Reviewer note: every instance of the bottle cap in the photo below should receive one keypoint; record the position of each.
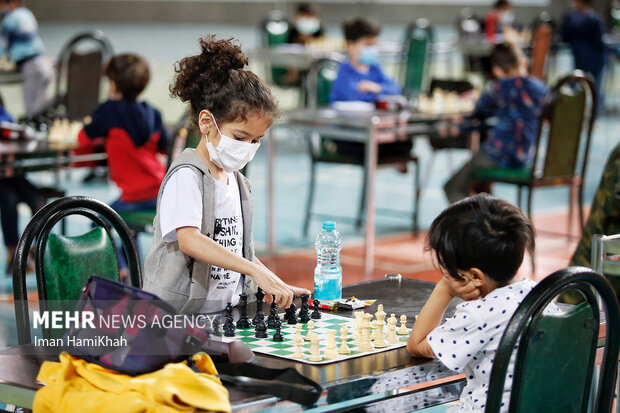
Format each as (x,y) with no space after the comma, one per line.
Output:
(329,225)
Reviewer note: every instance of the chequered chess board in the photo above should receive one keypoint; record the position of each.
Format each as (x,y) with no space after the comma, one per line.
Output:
(285,349)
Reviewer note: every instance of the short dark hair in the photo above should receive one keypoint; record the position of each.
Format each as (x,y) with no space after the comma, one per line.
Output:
(481,232)
(359,27)
(130,73)
(586,2)
(507,56)
(500,4)
(307,8)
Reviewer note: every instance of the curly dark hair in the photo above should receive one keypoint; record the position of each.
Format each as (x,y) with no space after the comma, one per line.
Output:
(483,232)
(215,80)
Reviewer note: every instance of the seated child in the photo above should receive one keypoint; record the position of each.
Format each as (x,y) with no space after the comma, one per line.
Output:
(500,17)
(14,190)
(479,245)
(306,25)
(515,100)
(132,134)
(361,78)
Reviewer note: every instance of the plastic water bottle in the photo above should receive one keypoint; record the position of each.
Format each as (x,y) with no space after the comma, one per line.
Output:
(328,272)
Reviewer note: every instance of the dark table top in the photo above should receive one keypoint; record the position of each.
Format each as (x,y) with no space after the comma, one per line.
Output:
(371,376)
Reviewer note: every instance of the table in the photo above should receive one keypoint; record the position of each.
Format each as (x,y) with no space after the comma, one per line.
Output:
(388,379)
(370,128)
(19,157)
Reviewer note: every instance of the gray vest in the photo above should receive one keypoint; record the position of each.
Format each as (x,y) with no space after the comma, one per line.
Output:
(176,277)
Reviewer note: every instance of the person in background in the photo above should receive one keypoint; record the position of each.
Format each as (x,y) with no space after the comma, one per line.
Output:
(515,101)
(497,19)
(583,30)
(14,190)
(479,244)
(19,38)
(361,78)
(132,134)
(306,24)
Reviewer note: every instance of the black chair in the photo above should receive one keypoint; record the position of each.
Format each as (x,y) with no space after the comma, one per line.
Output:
(275,30)
(78,75)
(554,365)
(318,84)
(64,264)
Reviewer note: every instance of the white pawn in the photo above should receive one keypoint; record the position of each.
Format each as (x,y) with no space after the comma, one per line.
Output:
(373,331)
(310,333)
(391,336)
(298,342)
(357,327)
(332,347)
(315,352)
(297,330)
(402,331)
(393,317)
(344,348)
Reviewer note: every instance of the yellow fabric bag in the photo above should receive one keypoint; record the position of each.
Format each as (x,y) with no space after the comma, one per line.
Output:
(75,385)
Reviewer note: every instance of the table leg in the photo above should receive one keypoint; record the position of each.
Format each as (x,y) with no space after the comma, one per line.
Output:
(371,166)
(271,155)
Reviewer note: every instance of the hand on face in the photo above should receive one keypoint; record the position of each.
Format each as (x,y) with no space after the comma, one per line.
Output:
(464,289)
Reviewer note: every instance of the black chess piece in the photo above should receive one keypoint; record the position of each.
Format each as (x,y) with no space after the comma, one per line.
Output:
(316,314)
(273,314)
(215,327)
(229,326)
(304,313)
(261,329)
(292,317)
(244,321)
(260,294)
(278,334)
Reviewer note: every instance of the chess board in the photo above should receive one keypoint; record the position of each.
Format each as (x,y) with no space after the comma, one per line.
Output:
(285,349)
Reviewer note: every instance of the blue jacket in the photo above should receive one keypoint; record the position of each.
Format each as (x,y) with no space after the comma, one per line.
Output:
(516,104)
(344,87)
(19,36)
(584,33)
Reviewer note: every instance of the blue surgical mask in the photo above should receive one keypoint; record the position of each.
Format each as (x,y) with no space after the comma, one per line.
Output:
(369,55)
(307,26)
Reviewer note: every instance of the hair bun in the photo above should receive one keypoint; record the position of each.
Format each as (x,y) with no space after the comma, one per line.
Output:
(219,57)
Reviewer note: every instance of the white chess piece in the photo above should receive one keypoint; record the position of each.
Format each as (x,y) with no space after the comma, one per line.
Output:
(310,333)
(365,342)
(344,348)
(298,342)
(403,326)
(332,347)
(373,329)
(393,317)
(298,330)
(391,336)
(357,327)
(379,324)
(315,352)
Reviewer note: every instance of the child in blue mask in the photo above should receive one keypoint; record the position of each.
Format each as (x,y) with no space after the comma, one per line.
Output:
(361,77)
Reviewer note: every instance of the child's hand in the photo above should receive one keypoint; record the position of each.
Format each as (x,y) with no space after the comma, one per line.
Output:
(368,86)
(298,290)
(464,289)
(272,285)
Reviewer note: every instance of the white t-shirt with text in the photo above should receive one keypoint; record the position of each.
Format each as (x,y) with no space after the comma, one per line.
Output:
(181,206)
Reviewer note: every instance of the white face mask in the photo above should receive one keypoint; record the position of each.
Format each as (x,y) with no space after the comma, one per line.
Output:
(231,154)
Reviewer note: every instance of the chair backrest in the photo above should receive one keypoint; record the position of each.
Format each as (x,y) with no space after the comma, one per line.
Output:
(416,61)
(318,82)
(39,228)
(79,71)
(423,24)
(565,110)
(275,30)
(558,349)
(604,247)
(468,25)
(541,44)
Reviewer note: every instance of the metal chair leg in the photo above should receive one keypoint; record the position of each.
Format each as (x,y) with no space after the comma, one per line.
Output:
(310,198)
(416,197)
(519,190)
(362,208)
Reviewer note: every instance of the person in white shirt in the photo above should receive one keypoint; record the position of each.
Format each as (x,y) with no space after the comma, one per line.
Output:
(202,255)
(479,244)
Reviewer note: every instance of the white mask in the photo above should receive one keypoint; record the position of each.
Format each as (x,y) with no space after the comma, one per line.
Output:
(231,154)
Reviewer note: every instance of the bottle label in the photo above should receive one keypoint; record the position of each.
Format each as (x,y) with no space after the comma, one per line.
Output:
(327,288)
